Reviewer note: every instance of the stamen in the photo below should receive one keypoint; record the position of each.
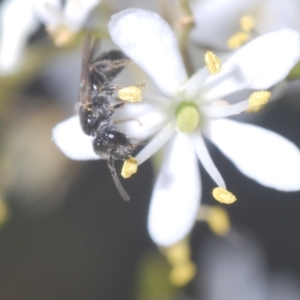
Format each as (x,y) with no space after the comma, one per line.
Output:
(247,23)
(216,217)
(259,98)
(130,93)
(156,143)
(213,63)
(220,103)
(129,167)
(223,196)
(193,86)
(182,274)
(205,159)
(178,252)
(237,40)
(188,118)
(61,35)
(183,269)
(254,109)
(221,111)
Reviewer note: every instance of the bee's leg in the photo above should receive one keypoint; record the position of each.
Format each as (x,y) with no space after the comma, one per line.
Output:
(119,186)
(113,108)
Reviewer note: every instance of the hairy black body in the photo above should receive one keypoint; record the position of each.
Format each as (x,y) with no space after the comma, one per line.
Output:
(96,109)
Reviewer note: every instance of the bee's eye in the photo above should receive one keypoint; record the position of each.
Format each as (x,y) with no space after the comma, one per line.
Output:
(118,138)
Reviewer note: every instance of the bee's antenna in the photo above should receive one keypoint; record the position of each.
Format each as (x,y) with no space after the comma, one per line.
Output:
(119,186)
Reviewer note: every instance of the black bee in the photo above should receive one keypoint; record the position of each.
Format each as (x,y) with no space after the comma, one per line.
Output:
(96,108)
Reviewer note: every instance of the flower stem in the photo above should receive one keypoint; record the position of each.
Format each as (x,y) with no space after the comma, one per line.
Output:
(183,26)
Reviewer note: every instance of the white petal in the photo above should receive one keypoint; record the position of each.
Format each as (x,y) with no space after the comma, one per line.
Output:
(261,154)
(258,65)
(14,35)
(149,41)
(176,196)
(76,12)
(48,11)
(71,140)
(139,120)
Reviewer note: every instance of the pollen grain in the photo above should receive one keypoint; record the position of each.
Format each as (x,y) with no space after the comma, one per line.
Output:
(223,196)
(129,167)
(213,63)
(131,94)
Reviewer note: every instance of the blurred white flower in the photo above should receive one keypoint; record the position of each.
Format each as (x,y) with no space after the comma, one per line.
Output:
(19,19)
(188,110)
(234,268)
(217,20)
(17,23)
(63,21)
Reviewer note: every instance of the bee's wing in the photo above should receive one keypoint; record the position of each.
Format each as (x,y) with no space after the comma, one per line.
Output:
(108,65)
(85,88)
(95,48)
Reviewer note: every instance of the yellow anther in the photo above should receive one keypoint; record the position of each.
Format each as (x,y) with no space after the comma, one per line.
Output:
(216,217)
(61,35)
(183,269)
(130,93)
(247,23)
(182,274)
(254,109)
(223,195)
(177,253)
(259,98)
(218,220)
(213,63)
(237,40)
(129,167)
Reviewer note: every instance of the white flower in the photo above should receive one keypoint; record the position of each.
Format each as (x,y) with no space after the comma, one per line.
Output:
(19,19)
(62,22)
(186,112)
(17,22)
(214,27)
(239,255)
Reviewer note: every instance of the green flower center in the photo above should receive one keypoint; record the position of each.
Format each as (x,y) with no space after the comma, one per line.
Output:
(187,117)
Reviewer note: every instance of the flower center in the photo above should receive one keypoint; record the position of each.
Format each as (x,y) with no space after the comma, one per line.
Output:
(187,117)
